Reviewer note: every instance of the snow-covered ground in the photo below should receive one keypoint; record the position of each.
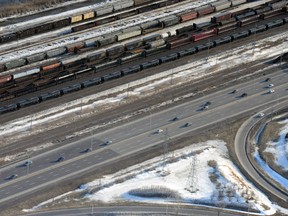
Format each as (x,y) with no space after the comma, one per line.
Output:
(117,26)
(279,150)
(198,174)
(91,104)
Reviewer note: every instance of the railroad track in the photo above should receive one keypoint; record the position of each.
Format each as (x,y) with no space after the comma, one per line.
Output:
(68,30)
(124,72)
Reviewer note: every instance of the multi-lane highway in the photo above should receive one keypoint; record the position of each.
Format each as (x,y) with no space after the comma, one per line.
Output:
(140,134)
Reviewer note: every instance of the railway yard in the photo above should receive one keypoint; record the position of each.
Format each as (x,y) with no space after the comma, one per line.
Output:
(100,78)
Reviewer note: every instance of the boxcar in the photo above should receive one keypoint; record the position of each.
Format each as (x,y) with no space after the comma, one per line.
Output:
(237,2)
(99,54)
(76,18)
(116,50)
(128,33)
(74,46)
(187,15)
(107,39)
(61,23)
(44,28)
(35,58)
(204,10)
(221,5)
(8,37)
(220,17)
(106,9)
(179,42)
(185,29)
(83,27)
(203,35)
(15,63)
(139,2)
(169,20)
(88,15)
(123,4)
(156,43)
(133,45)
(56,52)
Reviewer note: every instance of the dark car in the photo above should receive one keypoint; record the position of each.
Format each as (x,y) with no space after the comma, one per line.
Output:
(267,79)
(12,176)
(234,91)
(62,158)
(88,149)
(28,163)
(176,118)
(244,95)
(188,124)
(208,103)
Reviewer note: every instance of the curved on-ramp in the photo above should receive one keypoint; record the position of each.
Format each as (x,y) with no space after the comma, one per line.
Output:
(241,150)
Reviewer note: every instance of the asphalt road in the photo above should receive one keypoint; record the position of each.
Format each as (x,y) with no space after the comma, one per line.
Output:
(134,210)
(241,149)
(137,135)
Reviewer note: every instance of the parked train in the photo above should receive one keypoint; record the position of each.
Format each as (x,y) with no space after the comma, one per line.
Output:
(130,32)
(66,74)
(52,69)
(223,22)
(108,8)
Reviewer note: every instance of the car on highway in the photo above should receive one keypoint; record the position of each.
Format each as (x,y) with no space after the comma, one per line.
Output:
(188,124)
(208,103)
(205,107)
(12,176)
(260,115)
(271,91)
(234,91)
(159,131)
(88,150)
(107,142)
(244,95)
(62,158)
(28,163)
(270,85)
(267,79)
(175,118)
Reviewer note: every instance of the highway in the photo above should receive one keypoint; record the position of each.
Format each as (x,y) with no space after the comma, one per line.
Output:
(138,135)
(151,210)
(241,147)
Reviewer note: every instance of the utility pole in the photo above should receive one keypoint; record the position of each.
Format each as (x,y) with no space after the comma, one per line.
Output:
(191,184)
(165,153)
(91,140)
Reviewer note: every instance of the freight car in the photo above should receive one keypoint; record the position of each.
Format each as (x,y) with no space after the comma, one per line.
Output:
(106,9)
(137,68)
(131,31)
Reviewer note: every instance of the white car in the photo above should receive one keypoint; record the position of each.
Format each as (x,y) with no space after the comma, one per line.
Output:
(271,91)
(270,85)
(107,142)
(28,163)
(159,131)
(260,115)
